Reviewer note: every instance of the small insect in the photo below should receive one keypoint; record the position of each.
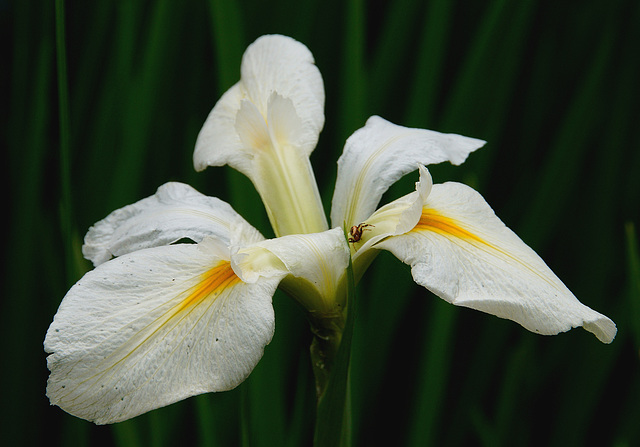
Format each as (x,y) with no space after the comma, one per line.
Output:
(355,233)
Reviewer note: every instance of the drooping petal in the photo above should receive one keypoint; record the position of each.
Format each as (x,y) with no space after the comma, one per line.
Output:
(380,153)
(316,264)
(266,126)
(153,327)
(174,212)
(464,254)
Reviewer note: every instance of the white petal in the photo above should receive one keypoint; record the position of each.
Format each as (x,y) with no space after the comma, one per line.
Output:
(397,217)
(283,175)
(272,64)
(266,126)
(282,65)
(285,126)
(218,142)
(153,327)
(377,155)
(251,127)
(176,211)
(315,262)
(464,254)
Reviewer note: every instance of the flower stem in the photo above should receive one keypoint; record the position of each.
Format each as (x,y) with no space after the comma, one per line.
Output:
(330,356)
(327,335)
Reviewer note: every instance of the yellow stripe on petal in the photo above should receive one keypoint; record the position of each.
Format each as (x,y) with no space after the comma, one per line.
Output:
(213,283)
(462,252)
(432,220)
(152,327)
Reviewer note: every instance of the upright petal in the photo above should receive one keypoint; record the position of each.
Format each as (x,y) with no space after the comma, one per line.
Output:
(272,64)
(284,177)
(218,142)
(464,254)
(174,212)
(315,265)
(377,155)
(153,327)
(266,126)
(281,64)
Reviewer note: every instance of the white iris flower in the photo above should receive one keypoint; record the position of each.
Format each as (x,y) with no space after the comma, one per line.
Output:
(158,320)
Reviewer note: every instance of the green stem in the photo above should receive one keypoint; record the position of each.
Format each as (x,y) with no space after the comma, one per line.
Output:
(327,335)
(330,356)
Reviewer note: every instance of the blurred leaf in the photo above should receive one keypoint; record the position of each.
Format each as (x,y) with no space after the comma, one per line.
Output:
(145,80)
(381,309)
(428,76)
(352,113)
(228,39)
(126,434)
(393,46)
(66,206)
(633,272)
(561,170)
(433,369)
(26,134)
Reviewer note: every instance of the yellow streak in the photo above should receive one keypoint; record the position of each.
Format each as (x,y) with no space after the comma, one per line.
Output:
(213,281)
(431,220)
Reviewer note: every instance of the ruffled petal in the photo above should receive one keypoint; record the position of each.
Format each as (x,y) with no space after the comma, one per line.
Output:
(464,254)
(174,212)
(379,154)
(272,64)
(153,327)
(285,66)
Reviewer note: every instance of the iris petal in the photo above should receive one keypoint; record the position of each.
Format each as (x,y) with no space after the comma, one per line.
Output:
(153,327)
(378,154)
(174,212)
(464,254)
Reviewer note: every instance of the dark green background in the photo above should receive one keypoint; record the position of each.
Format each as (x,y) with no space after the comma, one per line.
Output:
(553,86)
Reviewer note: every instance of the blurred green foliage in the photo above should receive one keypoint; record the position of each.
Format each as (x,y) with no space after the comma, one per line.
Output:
(552,85)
